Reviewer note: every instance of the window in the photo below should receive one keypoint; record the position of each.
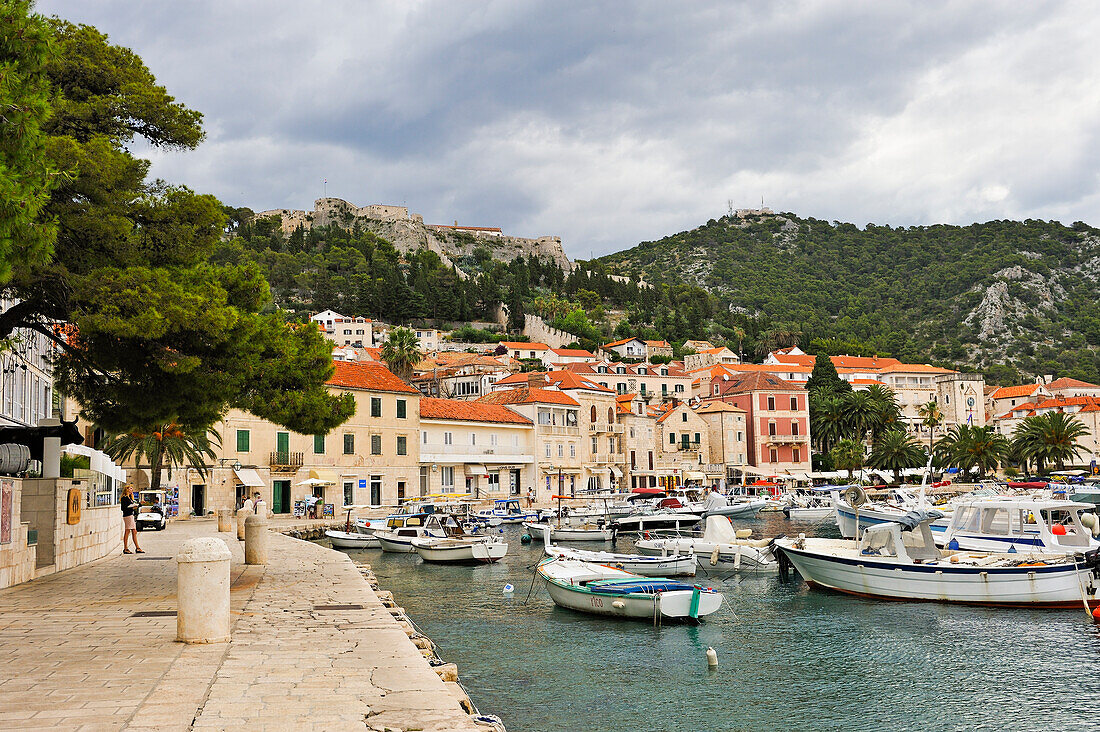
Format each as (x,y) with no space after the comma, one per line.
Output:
(349,443)
(796,455)
(376,406)
(740,436)
(402,409)
(318,444)
(697,440)
(593,413)
(493,440)
(794,427)
(448,476)
(547,449)
(595,445)
(794,404)
(561,450)
(242,440)
(611,415)
(400,489)
(672,438)
(771,404)
(402,445)
(347,331)
(664,372)
(651,463)
(716,388)
(447,438)
(493,482)
(376,490)
(773,455)
(633,460)
(376,444)
(684,417)
(473,438)
(572,450)
(424,435)
(771,429)
(679,388)
(349,492)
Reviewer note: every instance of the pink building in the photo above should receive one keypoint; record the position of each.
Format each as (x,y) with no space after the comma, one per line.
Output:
(778,420)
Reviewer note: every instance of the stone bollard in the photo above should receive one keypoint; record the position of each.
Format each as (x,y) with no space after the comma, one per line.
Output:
(242,514)
(225,519)
(202,591)
(255,540)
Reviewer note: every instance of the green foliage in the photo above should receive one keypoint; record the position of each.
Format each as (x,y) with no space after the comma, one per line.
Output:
(1049,438)
(469,334)
(903,291)
(401,352)
(848,455)
(968,448)
(896,450)
(164,445)
(26,173)
(161,334)
(71,463)
(824,380)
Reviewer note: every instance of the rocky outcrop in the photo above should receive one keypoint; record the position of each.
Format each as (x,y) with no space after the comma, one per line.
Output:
(408,232)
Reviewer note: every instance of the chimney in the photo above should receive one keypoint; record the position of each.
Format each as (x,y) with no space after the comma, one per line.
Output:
(537,380)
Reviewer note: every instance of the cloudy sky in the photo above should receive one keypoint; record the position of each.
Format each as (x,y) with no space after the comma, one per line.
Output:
(614,123)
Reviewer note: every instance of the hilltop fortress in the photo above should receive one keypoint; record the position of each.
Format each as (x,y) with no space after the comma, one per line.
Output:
(408,232)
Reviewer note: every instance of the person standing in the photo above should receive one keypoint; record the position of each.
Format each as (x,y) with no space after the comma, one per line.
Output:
(249,504)
(129,506)
(260,506)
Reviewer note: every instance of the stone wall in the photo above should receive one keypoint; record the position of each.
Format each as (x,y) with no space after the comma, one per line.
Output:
(61,545)
(537,330)
(16,557)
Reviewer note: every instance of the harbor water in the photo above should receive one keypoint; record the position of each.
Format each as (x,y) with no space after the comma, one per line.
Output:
(789,658)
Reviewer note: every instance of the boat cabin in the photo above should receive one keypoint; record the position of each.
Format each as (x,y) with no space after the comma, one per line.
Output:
(394,523)
(909,540)
(507,507)
(1028,523)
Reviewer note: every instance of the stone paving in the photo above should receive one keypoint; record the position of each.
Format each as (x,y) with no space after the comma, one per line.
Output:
(76,659)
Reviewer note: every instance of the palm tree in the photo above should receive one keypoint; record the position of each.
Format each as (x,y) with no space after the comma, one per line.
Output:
(827,421)
(165,445)
(896,450)
(1049,437)
(860,414)
(887,411)
(401,352)
(739,333)
(848,455)
(967,447)
(931,417)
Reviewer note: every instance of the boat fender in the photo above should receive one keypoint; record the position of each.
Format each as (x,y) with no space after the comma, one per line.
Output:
(737,558)
(743,533)
(618,604)
(525,539)
(714,556)
(509,589)
(953,545)
(712,657)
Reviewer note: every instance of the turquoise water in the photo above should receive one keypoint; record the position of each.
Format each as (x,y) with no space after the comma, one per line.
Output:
(789,658)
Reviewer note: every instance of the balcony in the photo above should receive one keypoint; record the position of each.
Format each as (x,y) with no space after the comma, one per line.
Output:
(785,439)
(285,462)
(559,430)
(614,429)
(609,458)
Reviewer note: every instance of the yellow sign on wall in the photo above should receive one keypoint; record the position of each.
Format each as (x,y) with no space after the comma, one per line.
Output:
(75,502)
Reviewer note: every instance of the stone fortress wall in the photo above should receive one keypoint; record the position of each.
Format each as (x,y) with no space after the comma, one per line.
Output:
(408,232)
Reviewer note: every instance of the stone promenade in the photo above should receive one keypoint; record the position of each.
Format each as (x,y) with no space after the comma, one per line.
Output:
(77,654)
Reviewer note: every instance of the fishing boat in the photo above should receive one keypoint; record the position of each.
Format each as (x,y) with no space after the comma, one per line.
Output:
(852,507)
(352,537)
(461,550)
(568,532)
(400,531)
(672,565)
(815,506)
(649,519)
(603,590)
(718,544)
(505,511)
(1045,526)
(900,561)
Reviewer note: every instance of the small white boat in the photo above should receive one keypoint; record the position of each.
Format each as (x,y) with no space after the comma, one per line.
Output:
(603,590)
(1010,524)
(674,565)
(649,520)
(505,511)
(896,505)
(460,549)
(352,539)
(719,544)
(900,561)
(567,532)
(400,531)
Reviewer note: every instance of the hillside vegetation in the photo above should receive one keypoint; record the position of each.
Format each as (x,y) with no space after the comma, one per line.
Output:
(999,296)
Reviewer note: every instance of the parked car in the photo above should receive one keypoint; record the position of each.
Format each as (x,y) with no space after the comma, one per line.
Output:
(152,514)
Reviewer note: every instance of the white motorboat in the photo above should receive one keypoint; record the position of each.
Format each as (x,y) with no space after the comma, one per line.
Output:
(358,539)
(401,530)
(894,506)
(673,565)
(505,511)
(603,590)
(1045,526)
(719,544)
(900,561)
(569,532)
(460,549)
(653,519)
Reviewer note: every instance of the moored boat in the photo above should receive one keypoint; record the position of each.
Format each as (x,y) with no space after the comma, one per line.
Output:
(460,549)
(672,565)
(603,590)
(900,561)
(718,544)
(1005,523)
(352,539)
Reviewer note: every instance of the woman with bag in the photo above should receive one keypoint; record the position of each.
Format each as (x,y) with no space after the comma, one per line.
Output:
(129,520)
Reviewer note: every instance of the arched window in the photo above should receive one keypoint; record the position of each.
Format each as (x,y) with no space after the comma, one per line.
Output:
(611,415)
(593,414)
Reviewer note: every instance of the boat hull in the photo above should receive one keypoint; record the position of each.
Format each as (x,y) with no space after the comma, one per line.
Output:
(1036,586)
(351,540)
(538,532)
(731,556)
(680,565)
(670,605)
(396,545)
(810,514)
(466,553)
(637,524)
(738,510)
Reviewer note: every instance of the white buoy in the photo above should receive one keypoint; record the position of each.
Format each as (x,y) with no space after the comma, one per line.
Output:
(618,604)
(508,589)
(712,657)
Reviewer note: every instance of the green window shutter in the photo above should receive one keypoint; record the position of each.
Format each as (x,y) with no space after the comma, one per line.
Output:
(375,407)
(402,409)
(376,444)
(402,446)
(318,444)
(242,440)
(672,438)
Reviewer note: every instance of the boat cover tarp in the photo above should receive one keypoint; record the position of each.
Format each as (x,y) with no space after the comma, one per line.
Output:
(719,530)
(638,586)
(917,516)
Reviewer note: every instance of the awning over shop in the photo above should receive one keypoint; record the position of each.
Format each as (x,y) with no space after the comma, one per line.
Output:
(327,476)
(616,472)
(475,469)
(249,477)
(695,475)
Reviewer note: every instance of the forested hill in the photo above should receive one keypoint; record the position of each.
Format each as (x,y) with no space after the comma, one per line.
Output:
(1003,292)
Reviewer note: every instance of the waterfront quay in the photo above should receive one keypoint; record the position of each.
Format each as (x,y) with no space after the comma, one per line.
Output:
(312,647)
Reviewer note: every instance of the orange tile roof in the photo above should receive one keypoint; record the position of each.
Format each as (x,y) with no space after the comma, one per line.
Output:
(922,368)
(626,397)
(1025,405)
(529,395)
(658,344)
(367,375)
(521,346)
(1070,402)
(469,411)
(718,406)
(570,380)
(867,382)
(573,352)
(668,413)
(1007,392)
(1067,383)
(619,343)
(1090,408)
(758,381)
(851,362)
